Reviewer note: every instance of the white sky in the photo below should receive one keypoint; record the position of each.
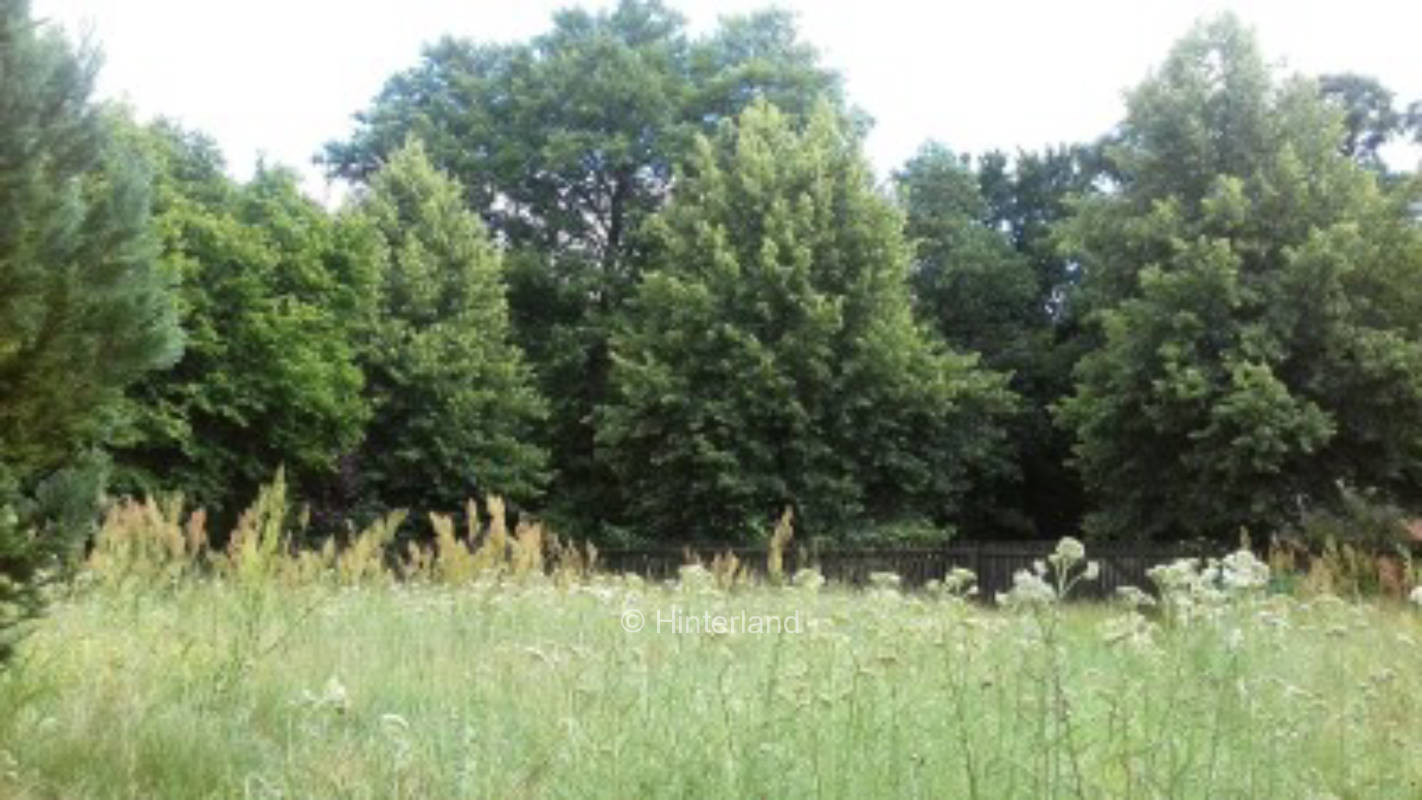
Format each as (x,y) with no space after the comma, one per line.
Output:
(281,77)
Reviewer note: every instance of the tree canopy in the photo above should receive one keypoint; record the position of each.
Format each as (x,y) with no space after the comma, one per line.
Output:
(454,408)
(1257,293)
(270,288)
(84,305)
(566,145)
(642,282)
(771,358)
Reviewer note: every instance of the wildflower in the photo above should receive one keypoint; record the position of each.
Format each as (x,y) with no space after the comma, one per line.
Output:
(959,576)
(1027,589)
(808,578)
(335,695)
(960,582)
(1070,551)
(1416,597)
(1093,571)
(1134,597)
(1182,573)
(1241,570)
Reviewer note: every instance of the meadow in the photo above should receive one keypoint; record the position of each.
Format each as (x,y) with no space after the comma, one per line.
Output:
(484,672)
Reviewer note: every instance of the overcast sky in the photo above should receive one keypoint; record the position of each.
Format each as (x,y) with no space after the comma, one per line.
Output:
(281,77)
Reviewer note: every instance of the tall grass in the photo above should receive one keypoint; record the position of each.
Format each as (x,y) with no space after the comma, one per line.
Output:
(483,673)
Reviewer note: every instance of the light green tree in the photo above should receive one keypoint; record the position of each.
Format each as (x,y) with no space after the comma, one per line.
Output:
(771,358)
(455,411)
(272,293)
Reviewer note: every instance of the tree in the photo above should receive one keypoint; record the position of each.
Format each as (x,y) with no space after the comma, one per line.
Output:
(1369,117)
(771,358)
(565,145)
(272,292)
(1257,295)
(967,277)
(984,276)
(84,309)
(454,406)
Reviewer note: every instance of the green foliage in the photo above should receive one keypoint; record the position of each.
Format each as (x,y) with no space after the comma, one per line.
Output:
(272,293)
(986,276)
(1257,294)
(968,278)
(565,144)
(455,412)
(1370,119)
(771,360)
(84,310)
(1360,518)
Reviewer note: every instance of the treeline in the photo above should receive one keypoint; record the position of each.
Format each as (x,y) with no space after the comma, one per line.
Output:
(645,285)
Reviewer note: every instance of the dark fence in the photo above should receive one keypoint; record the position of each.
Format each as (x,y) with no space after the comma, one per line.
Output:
(992,562)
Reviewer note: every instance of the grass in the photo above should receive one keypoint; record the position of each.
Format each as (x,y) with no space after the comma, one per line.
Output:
(508,686)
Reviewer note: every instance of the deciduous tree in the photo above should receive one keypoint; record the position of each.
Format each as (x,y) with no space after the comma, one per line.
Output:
(455,411)
(1258,296)
(772,359)
(272,291)
(564,145)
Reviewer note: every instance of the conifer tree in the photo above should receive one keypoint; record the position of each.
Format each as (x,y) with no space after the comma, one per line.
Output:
(83,308)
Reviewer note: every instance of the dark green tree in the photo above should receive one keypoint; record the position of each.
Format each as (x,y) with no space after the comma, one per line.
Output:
(967,277)
(272,292)
(1370,120)
(1258,297)
(987,274)
(565,145)
(84,308)
(772,360)
(455,411)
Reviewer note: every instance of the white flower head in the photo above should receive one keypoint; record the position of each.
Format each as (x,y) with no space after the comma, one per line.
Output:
(334,694)
(1069,551)
(1134,597)
(1416,597)
(959,581)
(1241,570)
(808,578)
(1027,589)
